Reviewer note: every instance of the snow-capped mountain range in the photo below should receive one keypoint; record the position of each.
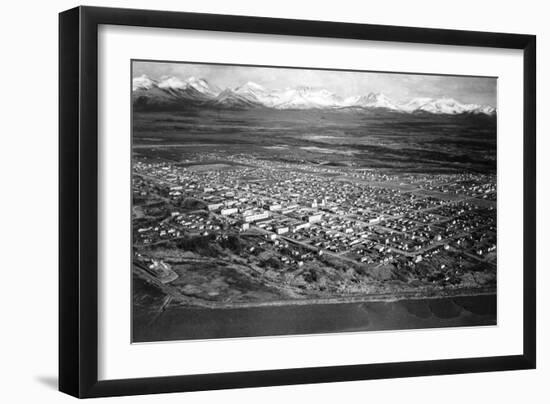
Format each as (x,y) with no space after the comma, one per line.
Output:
(172,91)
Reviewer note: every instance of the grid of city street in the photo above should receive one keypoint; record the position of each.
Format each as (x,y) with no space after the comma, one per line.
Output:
(286,222)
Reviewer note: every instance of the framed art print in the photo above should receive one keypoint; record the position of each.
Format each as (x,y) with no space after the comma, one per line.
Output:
(248,201)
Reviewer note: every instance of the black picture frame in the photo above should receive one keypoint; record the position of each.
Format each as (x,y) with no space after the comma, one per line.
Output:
(78,203)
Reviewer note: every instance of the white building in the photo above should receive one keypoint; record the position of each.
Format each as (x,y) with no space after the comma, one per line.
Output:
(228,211)
(254,217)
(282,230)
(315,218)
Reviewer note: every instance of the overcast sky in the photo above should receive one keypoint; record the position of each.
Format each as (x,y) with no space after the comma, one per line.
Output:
(399,87)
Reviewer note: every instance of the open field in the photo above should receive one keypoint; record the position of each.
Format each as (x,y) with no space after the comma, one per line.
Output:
(414,143)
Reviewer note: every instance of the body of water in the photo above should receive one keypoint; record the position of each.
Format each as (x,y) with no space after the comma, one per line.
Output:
(185,323)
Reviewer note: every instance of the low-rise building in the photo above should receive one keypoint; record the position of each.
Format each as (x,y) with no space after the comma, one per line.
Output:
(228,211)
(255,216)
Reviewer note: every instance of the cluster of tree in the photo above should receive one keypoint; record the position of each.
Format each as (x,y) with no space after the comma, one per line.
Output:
(271,263)
(233,243)
(203,245)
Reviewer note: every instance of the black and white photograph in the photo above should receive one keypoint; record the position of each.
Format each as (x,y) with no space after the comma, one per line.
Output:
(280,201)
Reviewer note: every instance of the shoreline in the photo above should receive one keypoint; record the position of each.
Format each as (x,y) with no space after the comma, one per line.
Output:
(180,300)
(389,297)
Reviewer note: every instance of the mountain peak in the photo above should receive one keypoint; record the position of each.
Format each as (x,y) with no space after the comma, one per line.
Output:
(175,83)
(195,81)
(250,87)
(251,84)
(202,85)
(376,95)
(251,94)
(172,82)
(142,82)
(373,100)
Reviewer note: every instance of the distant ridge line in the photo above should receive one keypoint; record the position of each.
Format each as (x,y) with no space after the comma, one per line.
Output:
(173,91)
